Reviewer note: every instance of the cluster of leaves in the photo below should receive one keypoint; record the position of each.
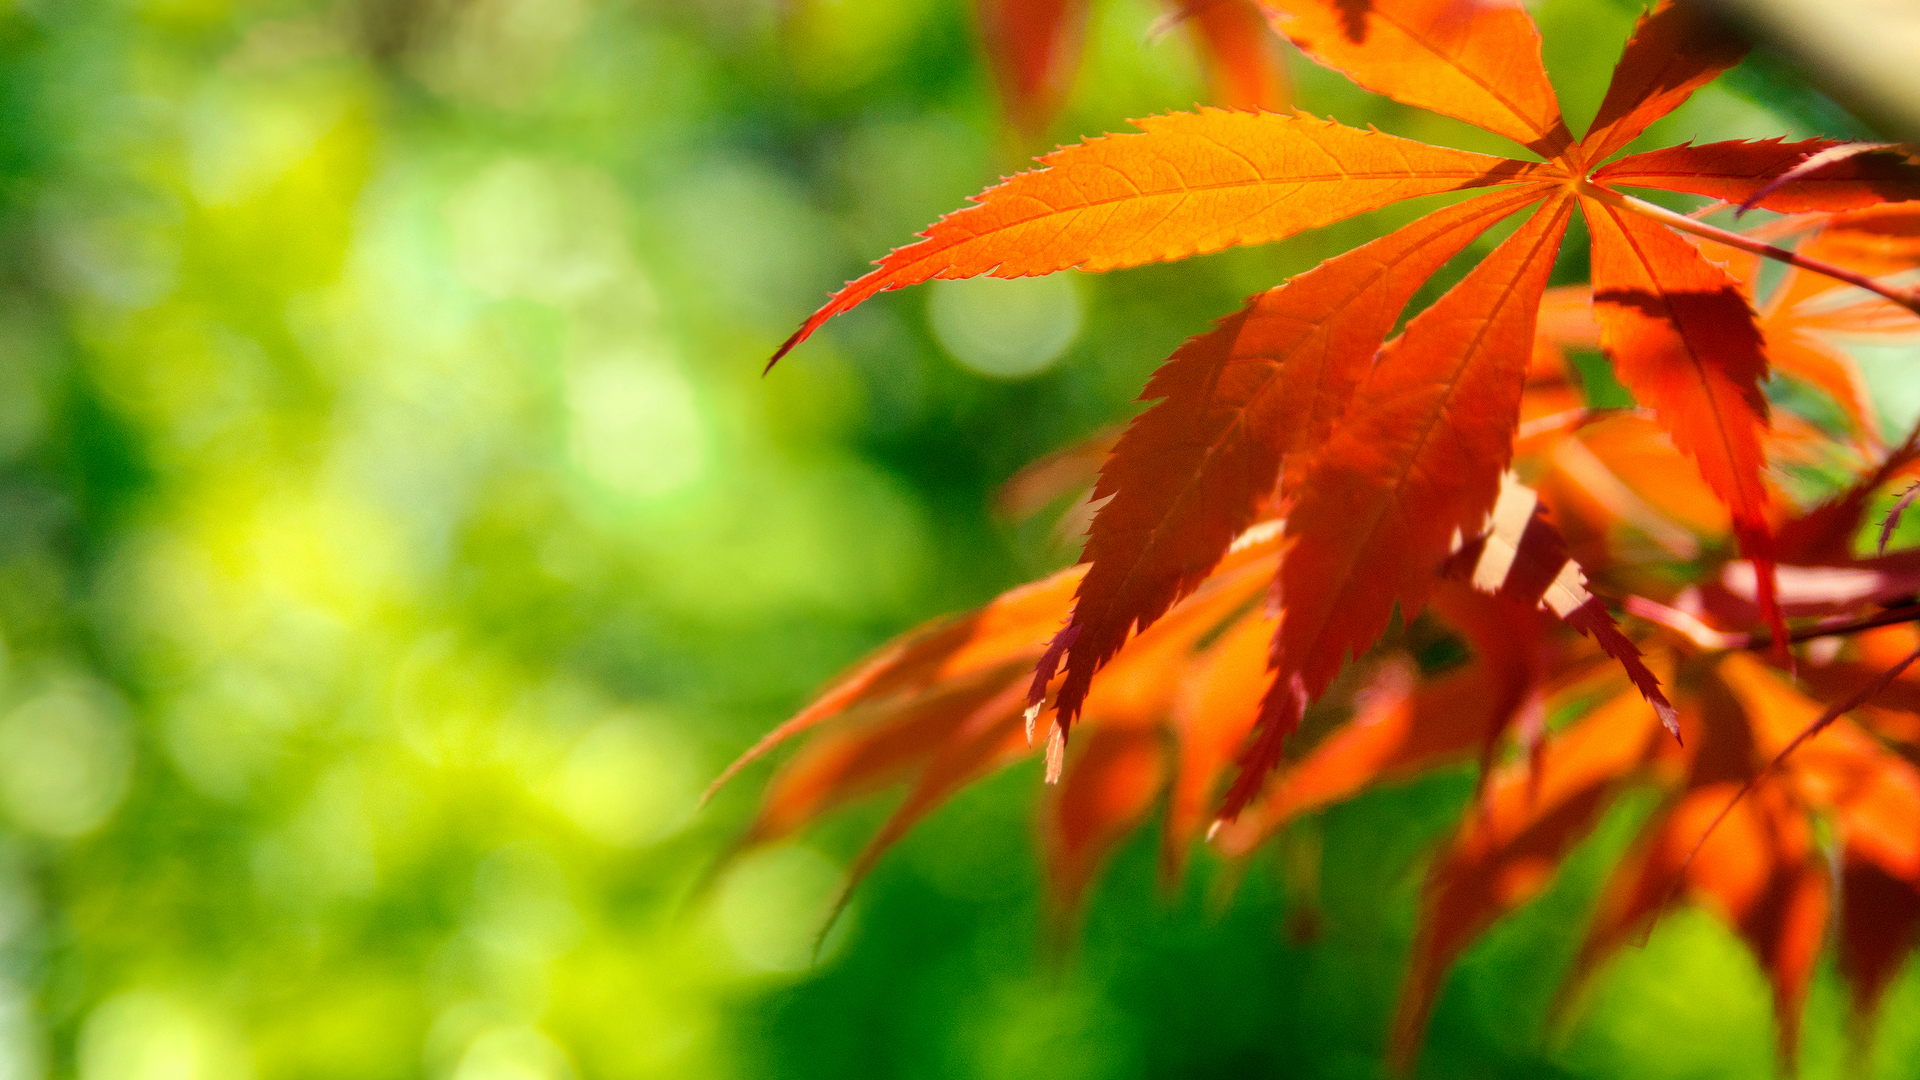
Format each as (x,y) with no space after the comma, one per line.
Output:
(1229,643)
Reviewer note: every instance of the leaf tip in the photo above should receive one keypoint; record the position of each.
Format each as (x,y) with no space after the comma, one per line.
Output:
(1045,670)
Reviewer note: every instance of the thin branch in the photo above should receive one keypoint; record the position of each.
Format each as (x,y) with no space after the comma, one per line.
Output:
(1813,163)
(1906,298)
(1574,419)
(1905,613)
(1690,627)
(1706,637)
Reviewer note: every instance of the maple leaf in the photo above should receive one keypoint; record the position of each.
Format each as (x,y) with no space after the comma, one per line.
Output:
(1453,474)
(1187,184)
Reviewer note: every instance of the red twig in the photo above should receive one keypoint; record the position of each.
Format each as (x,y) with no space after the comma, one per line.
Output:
(1906,298)
(1813,163)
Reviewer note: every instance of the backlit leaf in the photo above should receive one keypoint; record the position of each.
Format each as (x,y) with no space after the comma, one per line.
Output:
(1683,339)
(1465,58)
(1675,50)
(1417,456)
(1186,184)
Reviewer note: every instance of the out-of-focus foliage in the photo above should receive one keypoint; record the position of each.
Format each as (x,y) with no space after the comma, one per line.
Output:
(397,535)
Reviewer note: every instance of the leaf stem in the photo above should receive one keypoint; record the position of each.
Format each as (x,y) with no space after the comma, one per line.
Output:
(1706,637)
(1905,613)
(1906,298)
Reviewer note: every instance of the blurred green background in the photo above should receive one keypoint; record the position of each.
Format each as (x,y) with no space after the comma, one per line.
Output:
(396,534)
